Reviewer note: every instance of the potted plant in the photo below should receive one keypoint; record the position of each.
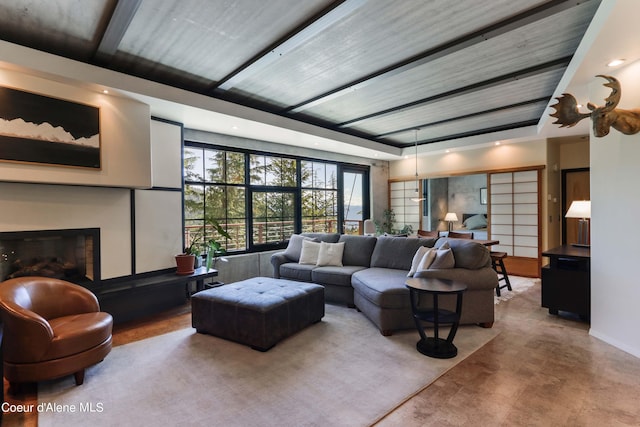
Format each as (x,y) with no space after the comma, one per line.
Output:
(186,261)
(214,248)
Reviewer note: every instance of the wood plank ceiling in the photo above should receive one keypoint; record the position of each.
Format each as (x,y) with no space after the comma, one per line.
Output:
(377,69)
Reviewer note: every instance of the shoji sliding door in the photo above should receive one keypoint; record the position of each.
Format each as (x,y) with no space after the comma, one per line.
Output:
(406,210)
(515,212)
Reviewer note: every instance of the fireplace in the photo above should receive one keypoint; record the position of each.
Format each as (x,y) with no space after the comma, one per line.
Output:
(71,254)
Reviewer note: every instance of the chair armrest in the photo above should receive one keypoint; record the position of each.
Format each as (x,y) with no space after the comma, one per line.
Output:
(27,335)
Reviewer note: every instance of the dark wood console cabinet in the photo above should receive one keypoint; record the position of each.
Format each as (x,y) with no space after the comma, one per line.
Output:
(566,280)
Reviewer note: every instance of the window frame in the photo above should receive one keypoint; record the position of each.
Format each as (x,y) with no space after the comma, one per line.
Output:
(297,190)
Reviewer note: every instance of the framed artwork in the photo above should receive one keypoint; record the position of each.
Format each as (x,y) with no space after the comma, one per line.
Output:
(483,196)
(40,129)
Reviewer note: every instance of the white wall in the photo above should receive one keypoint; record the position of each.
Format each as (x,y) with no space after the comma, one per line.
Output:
(615,203)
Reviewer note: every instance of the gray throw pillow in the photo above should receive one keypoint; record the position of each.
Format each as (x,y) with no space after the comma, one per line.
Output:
(444,259)
(295,246)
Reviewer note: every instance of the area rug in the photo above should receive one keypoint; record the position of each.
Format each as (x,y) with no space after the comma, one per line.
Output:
(338,372)
(518,284)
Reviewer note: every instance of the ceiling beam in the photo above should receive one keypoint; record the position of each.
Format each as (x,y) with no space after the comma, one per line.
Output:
(290,42)
(466,116)
(475,132)
(122,16)
(469,40)
(496,81)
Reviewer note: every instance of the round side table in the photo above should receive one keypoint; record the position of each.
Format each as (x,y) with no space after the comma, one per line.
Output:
(436,346)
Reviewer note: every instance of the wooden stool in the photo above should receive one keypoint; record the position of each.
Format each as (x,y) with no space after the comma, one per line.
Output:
(498,265)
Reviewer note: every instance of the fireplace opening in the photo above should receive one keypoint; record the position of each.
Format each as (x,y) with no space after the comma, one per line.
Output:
(71,254)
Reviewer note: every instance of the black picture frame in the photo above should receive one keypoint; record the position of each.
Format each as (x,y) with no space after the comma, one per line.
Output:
(483,196)
(40,129)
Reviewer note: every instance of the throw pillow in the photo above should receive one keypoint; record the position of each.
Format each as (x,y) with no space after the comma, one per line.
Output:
(416,259)
(294,247)
(444,259)
(475,222)
(330,254)
(309,252)
(427,260)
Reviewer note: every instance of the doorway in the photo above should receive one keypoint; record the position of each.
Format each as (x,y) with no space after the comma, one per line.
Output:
(575,186)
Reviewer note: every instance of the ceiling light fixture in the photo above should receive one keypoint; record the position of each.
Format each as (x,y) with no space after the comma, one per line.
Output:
(417,197)
(615,62)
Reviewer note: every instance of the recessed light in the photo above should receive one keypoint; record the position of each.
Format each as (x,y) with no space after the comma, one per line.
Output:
(234,127)
(447,151)
(105,91)
(615,62)
(497,142)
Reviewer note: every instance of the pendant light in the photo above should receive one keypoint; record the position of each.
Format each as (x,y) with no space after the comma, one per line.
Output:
(417,197)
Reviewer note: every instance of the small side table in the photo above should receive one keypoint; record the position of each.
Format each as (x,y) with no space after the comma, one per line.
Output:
(436,346)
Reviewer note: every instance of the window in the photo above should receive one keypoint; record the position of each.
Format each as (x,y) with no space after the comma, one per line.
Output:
(262,199)
(319,197)
(214,191)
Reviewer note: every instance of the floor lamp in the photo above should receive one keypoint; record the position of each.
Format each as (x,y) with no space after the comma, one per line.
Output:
(581,209)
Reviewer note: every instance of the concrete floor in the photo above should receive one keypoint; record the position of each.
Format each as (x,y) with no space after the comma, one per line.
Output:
(541,370)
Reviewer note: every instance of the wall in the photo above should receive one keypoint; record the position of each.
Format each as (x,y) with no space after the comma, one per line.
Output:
(615,203)
(530,153)
(464,195)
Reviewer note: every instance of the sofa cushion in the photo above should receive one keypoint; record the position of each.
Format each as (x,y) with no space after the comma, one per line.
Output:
(295,271)
(422,259)
(330,254)
(384,287)
(467,253)
(397,252)
(332,275)
(357,249)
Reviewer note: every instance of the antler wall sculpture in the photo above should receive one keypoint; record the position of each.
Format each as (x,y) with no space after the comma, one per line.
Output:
(604,117)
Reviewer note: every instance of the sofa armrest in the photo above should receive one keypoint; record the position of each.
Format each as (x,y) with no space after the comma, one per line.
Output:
(480,279)
(277,260)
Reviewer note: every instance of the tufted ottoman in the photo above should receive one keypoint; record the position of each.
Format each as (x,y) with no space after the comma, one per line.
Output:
(258,312)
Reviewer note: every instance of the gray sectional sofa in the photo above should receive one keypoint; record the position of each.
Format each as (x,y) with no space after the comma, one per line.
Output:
(372,277)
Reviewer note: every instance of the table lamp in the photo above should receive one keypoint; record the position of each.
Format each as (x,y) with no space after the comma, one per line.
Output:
(450,217)
(369,227)
(581,209)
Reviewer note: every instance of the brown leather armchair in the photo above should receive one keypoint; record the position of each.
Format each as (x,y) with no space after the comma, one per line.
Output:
(52,328)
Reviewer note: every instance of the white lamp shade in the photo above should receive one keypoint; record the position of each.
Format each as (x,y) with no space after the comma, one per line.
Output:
(369,227)
(451,216)
(579,209)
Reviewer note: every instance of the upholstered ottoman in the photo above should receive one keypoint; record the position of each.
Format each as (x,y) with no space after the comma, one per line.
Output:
(258,312)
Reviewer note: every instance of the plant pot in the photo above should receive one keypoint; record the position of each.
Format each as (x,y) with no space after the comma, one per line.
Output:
(185,264)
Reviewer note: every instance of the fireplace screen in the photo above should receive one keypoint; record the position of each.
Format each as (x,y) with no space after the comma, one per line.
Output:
(71,255)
